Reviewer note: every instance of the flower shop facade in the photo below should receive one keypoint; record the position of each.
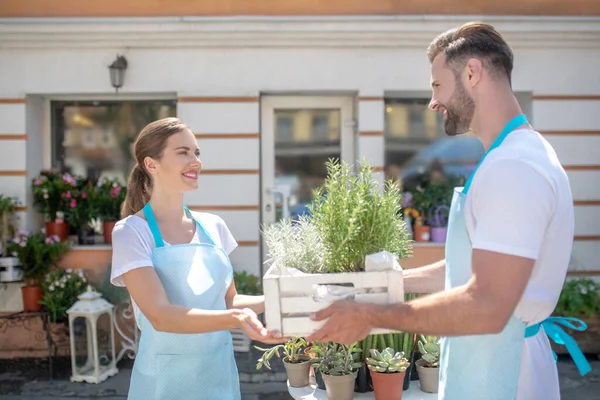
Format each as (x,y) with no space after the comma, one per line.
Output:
(270,98)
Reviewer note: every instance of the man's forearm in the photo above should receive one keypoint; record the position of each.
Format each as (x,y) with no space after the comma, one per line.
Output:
(427,279)
(460,311)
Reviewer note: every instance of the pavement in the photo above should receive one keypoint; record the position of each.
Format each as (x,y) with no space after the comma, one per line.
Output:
(16,383)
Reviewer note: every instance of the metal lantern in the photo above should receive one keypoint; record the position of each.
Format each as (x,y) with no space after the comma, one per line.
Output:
(117,72)
(88,365)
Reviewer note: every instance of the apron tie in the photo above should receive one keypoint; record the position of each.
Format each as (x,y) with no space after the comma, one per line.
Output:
(559,336)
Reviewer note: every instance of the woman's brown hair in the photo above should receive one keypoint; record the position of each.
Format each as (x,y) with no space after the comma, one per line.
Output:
(150,142)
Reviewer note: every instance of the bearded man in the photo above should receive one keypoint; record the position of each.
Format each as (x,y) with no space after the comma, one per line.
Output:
(508,247)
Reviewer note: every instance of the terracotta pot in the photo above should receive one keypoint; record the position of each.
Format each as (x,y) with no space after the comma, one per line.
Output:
(60,229)
(340,387)
(388,386)
(428,377)
(107,227)
(32,294)
(422,233)
(297,373)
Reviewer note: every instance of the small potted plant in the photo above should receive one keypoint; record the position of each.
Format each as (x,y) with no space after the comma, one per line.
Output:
(338,367)
(110,197)
(51,196)
(428,365)
(61,289)
(82,210)
(9,271)
(37,254)
(296,363)
(438,221)
(388,369)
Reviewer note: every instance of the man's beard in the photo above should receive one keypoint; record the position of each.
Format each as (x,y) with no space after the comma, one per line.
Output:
(460,112)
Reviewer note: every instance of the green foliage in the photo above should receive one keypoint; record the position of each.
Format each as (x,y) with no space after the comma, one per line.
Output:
(429,346)
(579,298)
(110,196)
(7,223)
(61,288)
(387,361)
(295,245)
(37,254)
(354,219)
(248,284)
(293,350)
(337,359)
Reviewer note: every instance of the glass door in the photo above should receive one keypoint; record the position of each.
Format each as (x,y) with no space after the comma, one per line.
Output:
(298,136)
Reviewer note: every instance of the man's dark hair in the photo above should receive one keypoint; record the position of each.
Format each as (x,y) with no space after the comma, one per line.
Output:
(474,40)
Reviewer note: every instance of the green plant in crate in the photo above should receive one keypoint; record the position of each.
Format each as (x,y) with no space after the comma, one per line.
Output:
(579,298)
(387,361)
(338,359)
(293,351)
(429,347)
(355,219)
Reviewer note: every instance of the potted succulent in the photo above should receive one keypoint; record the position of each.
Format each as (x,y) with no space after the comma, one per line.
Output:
(37,254)
(9,270)
(110,197)
(580,298)
(52,197)
(338,367)
(428,365)
(296,363)
(388,369)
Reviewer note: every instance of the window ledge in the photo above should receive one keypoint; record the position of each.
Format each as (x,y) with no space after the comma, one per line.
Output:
(91,247)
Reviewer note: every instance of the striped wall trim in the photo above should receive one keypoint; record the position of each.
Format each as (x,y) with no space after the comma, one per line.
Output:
(565,97)
(570,133)
(201,136)
(13,101)
(586,202)
(229,172)
(13,173)
(248,243)
(582,167)
(21,208)
(584,273)
(586,238)
(368,98)
(371,133)
(13,137)
(224,208)
(218,99)
(378,169)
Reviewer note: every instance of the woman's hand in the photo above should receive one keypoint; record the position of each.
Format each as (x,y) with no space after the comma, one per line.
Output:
(251,326)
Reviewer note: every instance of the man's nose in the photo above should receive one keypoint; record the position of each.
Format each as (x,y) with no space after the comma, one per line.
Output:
(433,104)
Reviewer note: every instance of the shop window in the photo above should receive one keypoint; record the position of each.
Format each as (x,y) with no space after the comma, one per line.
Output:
(93,138)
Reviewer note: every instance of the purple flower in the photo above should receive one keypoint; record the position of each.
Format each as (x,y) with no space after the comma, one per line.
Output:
(407,199)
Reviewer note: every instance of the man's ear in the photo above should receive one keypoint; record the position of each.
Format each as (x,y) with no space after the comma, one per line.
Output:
(474,71)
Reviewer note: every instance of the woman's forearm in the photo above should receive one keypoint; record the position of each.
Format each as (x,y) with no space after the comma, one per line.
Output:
(255,303)
(428,279)
(178,319)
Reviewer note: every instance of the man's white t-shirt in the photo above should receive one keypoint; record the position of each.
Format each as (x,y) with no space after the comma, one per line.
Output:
(520,203)
(133,244)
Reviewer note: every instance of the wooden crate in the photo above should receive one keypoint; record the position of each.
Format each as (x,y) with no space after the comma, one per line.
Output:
(289,301)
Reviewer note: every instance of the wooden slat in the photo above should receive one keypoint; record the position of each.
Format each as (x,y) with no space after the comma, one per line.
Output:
(583,273)
(581,167)
(13,173)
(586,237)
(218,99)
(366,98)
(229,172)
(13,101)
(378,169)
(371,133)
(223,208)
(248,243)
(587,202)
(21,208)
(570,133)
(226,135)
(13,137)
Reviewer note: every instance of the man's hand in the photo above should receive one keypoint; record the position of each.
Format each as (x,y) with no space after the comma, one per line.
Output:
(251,325)
(346,323)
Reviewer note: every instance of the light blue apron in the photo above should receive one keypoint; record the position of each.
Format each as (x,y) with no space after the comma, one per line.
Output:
(487,366)
(187,366)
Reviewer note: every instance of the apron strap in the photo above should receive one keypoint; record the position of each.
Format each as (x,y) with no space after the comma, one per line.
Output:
(149,214)
(559,336)
(199,225)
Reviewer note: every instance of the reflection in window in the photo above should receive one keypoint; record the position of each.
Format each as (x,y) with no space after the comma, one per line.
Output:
(93,139)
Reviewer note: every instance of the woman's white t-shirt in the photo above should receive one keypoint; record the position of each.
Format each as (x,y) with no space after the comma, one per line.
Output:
(133,244)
